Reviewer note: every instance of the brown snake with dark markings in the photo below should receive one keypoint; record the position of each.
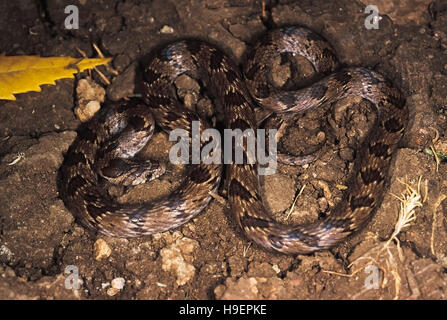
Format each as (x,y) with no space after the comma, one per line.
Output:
(105,145)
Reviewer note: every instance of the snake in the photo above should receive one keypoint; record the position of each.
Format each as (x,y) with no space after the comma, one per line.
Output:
(106,147)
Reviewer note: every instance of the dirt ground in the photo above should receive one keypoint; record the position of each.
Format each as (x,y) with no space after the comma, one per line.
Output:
(42,248)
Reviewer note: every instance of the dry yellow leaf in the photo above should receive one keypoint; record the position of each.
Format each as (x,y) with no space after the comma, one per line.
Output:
(20,74)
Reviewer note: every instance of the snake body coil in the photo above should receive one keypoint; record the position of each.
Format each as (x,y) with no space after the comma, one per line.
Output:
(105,146)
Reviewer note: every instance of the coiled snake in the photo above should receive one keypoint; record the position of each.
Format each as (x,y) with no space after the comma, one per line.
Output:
(105,145)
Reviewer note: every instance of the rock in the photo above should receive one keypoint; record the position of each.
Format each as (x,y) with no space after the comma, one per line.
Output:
(279,192)
(261,269)
(241,289)
(188,89)
(117,286)
(87,89)
(166,30)
(89,95)
(178,257)
(86,112)
(237,265)
(123,85)
(118,283)
(121,62)
(112,291)
(101,250)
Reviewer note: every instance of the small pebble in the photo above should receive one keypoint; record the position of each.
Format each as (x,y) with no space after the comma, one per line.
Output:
(101,250)
(321,136)
(276,268)
(89,96)
(166,30)
(112,291)
(87,111)
(118,283)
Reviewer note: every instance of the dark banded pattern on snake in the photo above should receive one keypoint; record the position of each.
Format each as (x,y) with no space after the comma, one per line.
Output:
(90,152)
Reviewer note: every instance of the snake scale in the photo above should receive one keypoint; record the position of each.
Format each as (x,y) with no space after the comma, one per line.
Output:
(106,144)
